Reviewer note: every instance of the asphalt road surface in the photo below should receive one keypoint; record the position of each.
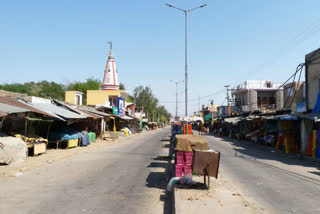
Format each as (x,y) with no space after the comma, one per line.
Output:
(276,183)
(121,178)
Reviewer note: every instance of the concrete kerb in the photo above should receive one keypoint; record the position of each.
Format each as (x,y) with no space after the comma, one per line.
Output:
(171,170)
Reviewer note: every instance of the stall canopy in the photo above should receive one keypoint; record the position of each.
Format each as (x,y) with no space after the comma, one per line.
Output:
(9,109)
(93,110)
(252,117)
(125,117)
(58,111)
(233,120)
(21,104)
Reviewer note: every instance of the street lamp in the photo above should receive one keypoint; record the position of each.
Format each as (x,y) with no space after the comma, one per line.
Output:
(186,56)
(176,82)
(186,51)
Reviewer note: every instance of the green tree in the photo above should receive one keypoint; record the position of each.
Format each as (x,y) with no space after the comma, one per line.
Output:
(121,86)
(145,98)
(89,84)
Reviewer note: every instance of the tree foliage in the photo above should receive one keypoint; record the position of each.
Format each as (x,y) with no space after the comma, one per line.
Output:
(121,86)
(41,89)
(150,104)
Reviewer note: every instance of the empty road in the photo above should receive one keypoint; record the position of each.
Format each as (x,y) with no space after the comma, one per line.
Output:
(121,178)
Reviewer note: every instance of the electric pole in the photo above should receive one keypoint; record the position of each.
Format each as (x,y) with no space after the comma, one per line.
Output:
(227,86)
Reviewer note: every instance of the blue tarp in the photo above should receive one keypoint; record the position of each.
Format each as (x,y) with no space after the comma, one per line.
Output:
(288,117)
(63,135)
(317,106)
(86,138)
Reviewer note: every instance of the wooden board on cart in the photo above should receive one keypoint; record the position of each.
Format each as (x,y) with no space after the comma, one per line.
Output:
(206,162)
(39,148)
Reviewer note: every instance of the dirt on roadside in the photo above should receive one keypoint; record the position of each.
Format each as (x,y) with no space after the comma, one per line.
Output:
(54,155)
(222,197)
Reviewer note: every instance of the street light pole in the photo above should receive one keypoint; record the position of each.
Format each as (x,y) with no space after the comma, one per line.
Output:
(186,50)
(176,82)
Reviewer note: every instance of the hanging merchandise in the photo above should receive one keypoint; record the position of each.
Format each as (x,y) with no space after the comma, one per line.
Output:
(114,126)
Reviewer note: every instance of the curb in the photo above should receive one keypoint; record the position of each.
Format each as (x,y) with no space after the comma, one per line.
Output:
(172,193)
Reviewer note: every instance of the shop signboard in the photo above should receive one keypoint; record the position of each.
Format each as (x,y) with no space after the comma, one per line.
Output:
(140,124)
(121,106)
(298,107)
(114,110)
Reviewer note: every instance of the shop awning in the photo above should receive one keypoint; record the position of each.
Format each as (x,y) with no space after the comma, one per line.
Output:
(271,117)
(233,120)
(58,111)
(208,117)
(252,117)
(10,109)
(125,117)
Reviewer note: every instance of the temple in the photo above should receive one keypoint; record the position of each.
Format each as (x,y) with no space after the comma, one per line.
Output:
(109,94)
(110,78)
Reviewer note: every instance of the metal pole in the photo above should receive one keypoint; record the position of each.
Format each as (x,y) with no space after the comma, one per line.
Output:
(186,62)
(177,100)
(186,52)
(186,69)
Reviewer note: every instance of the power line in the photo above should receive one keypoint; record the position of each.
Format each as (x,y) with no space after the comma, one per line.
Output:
(195,99)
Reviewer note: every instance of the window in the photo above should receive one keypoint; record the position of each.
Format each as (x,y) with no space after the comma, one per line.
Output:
(268,84)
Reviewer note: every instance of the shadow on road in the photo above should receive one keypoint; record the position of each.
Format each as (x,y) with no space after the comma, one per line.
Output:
(159,180)
(158,164)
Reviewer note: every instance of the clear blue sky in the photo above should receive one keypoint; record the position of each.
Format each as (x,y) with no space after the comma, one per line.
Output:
(229,41)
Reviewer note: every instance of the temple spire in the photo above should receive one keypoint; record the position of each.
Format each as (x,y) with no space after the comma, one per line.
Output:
(110,78)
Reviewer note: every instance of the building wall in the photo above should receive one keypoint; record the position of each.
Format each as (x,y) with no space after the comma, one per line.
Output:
(279,99)
(312,79)
(95,97)
(70,96)
(293,93)
(258,84)
(253,100)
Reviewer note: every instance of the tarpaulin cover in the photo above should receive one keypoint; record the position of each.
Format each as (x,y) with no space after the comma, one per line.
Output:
(63,135)
(317,106)
(82,139)
(87,138)
(92,136)
(186,143)
(288,117)
(31,139)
